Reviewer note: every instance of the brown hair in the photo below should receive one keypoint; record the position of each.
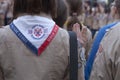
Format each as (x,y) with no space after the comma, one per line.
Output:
(72,21)
(34,7)
(62,13)
(75,6)
(75,9)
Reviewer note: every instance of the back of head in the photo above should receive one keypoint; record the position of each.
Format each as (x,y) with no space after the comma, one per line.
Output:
(33,7)
(62,13)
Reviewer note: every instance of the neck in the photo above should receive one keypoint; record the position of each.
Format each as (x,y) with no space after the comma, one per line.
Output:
(41,14)
(45,15)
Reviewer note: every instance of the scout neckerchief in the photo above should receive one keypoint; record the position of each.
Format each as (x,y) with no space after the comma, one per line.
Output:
(35,32)
(94,49)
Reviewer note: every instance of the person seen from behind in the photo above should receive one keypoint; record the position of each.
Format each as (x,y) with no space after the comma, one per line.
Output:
(106,64)
(84,35)
(29,44)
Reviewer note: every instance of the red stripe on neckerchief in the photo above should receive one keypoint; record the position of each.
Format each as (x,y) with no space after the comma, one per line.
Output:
(29,44)
(48,40)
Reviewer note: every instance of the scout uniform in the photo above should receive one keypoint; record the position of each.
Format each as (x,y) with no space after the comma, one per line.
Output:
(94,49)
(102,20)
(87,34)
(106,64)
(45,56)
(88,20)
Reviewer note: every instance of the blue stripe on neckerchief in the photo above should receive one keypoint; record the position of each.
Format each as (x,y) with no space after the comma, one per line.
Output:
(94,49)
(24,39)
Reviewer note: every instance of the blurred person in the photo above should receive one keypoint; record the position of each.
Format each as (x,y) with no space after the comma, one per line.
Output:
(60,18)
(113,13)
(75,11)
(73,24)
(98,38)
(95,14)
(83,33)
(29,45)
(62,13)
(100,18)
(106,64)
(95,46)
(102,14)
(88,18)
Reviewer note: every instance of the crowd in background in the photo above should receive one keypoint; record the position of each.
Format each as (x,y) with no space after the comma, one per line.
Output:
(94,16)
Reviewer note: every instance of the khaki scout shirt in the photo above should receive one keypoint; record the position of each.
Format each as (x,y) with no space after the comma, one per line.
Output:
(18,63)
(103,20)
(107,63)
(88,21)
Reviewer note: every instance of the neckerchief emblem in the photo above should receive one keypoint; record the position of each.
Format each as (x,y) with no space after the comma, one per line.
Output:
(37,32)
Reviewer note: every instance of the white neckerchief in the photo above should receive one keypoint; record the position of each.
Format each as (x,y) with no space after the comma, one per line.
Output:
(27,25)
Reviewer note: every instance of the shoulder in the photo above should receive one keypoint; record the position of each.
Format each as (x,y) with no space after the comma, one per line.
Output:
(114,31)
(64,37)
(112,38)
(63,33)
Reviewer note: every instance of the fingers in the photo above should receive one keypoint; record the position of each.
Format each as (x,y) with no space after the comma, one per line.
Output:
(81,35)
(76,28)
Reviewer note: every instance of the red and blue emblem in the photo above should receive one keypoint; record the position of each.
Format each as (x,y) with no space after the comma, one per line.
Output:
(37,32)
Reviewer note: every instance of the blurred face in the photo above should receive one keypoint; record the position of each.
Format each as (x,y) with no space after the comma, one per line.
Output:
(86,6)
(96,9)
(101,8)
